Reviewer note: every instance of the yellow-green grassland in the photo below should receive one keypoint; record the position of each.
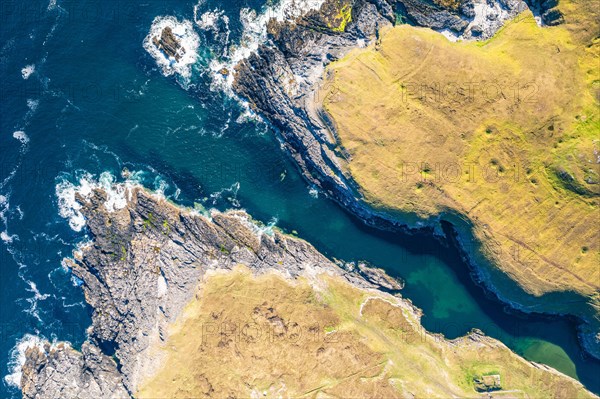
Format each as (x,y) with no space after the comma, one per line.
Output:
(503,132)
(266,336)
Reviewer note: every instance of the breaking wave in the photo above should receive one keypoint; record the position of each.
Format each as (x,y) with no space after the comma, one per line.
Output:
(70,209)
(17,358)
(188,53)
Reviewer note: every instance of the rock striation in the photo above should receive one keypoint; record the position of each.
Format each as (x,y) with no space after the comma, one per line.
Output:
(143,265)
(169,44)
(145,262)
(283,81)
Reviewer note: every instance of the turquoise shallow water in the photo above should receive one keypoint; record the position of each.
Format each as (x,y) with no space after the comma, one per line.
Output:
(96,102)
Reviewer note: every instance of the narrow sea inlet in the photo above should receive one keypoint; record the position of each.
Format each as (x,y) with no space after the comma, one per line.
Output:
(81,98)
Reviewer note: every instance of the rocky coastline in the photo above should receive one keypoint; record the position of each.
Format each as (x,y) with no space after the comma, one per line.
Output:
(282,81)
(145,261)
(143,265)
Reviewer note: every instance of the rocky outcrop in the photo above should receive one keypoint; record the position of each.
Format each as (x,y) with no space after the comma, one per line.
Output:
(380,278)
(62,372)
(547,10)
(283,80)
(143,265)
(169,44)
(145,262)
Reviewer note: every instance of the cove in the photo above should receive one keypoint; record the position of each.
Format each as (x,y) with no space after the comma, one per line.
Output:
(437,278)
(103,106)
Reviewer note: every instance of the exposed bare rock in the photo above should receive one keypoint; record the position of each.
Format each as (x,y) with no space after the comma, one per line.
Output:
(379,277)
(282,81)
(62,372)
(143,266)
(169,44)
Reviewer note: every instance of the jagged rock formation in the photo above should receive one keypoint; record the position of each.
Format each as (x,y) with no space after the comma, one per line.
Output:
(143,266)
(146,261)
(283,81)
(547,10)
(169,44)
(62,372)
(279,83)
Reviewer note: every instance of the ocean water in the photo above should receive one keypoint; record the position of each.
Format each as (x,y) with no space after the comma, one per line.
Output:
(81,99)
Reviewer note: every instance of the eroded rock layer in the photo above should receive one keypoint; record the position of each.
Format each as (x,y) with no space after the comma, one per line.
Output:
(157,275)
(143,266)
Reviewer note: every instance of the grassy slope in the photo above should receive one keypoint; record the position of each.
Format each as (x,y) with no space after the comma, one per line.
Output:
(328,341)
(515,148)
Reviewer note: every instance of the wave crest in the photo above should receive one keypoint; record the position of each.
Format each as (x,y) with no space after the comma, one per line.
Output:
(188,40)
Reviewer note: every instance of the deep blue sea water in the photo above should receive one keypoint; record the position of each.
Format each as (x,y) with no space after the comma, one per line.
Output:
(96,102)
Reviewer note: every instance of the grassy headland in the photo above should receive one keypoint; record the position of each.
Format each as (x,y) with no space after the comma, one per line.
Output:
(504,132)
(247,336)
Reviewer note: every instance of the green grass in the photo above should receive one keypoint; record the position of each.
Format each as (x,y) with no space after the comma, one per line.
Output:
(513,149)
(376,349)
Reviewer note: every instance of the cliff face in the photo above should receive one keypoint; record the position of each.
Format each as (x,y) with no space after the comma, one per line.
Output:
(143,266)
(157,275)
(283,79)
(286,78)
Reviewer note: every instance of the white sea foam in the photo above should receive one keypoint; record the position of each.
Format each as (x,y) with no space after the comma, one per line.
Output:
(210,19)
(68,207)
(117,196)
(4,236)
(255,33)
(17,358)
(232,197)
(188,38)
(21,136)
(268,229)
(253,225)
(27,71)
(10,176)
(32,104)
(215,22)
(20,212)
(4,206)
(33,301)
